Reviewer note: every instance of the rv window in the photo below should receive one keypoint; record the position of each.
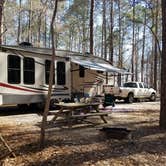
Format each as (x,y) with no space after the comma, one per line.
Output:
(61,73)
(14,72)
(81,71)
(29,70)
(47,72)
(100,72)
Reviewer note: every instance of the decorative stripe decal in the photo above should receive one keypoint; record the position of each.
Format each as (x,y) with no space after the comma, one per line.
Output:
(17,88)
(58,94)
(30,89)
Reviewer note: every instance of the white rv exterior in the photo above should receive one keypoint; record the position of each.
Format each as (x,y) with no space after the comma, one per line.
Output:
(19,85)
(24,74)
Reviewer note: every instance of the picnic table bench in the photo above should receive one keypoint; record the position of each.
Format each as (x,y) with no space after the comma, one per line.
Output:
(72,111)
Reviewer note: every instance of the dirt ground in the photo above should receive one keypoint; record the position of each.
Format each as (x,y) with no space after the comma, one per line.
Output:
(84,144)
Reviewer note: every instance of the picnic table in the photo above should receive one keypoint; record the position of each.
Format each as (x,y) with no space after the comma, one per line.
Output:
(71,109)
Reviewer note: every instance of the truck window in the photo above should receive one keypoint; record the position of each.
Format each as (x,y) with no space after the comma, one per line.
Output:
(61,73)
(47,72)
(140,85)
(14,69)
(29,70)
(130,85)
(145,86)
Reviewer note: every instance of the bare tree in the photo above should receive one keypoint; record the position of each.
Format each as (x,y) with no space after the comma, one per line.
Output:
(136,52)
(163,69)
(133,45)
(155,45)
(120,44)
(1,11)
(91,26)
(19,22)
(104,31)
(143,48)
(46,109)
(29,22)
(111,32)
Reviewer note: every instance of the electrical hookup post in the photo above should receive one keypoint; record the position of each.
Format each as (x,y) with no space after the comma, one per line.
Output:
(109,98)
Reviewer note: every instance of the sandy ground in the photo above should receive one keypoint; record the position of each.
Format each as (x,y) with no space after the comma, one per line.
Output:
(11,115)
(84,144)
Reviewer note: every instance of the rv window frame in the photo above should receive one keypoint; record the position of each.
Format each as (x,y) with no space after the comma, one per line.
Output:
(13,69)
(30,70)
(47,72)
(61,73)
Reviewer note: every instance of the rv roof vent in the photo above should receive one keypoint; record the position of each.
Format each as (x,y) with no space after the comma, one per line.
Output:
(25,44)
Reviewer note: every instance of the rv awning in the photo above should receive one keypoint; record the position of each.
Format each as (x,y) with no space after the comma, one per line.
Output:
(88,61)
(99,65)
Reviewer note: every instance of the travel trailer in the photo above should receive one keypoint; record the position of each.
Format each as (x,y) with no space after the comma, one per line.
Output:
(24,75)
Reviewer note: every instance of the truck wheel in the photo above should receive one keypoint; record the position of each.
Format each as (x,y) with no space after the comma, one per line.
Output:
(153,97)
(130,98)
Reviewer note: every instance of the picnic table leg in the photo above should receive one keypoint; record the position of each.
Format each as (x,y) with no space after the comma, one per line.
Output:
(56,116)
(68,117)
(101,116)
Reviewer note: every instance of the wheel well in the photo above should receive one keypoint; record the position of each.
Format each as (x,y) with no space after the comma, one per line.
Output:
(131,93)
(153,93)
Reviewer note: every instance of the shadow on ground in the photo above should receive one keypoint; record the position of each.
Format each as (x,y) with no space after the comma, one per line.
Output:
(14,110)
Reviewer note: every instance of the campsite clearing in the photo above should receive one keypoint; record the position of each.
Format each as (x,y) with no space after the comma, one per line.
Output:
(84,144)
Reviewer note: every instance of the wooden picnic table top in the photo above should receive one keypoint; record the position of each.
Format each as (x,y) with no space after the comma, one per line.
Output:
(76,105)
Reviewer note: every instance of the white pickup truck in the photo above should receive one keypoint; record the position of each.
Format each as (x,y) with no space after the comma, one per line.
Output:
(131,91)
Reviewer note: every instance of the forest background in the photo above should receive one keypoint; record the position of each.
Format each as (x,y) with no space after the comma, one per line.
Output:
(127,33)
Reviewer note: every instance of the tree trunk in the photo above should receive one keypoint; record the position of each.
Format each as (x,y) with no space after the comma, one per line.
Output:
(45,30)
(163,69)
(146,79)
(133,45)
(151,69)
(143,50)
(102,42)
(83,39)
(104,30)
(120,46)
(111,58)
(155,46)
(39,30)
(137,52)
(46,109)
(91,26)
(19,23)
(29,22)
(1,11)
